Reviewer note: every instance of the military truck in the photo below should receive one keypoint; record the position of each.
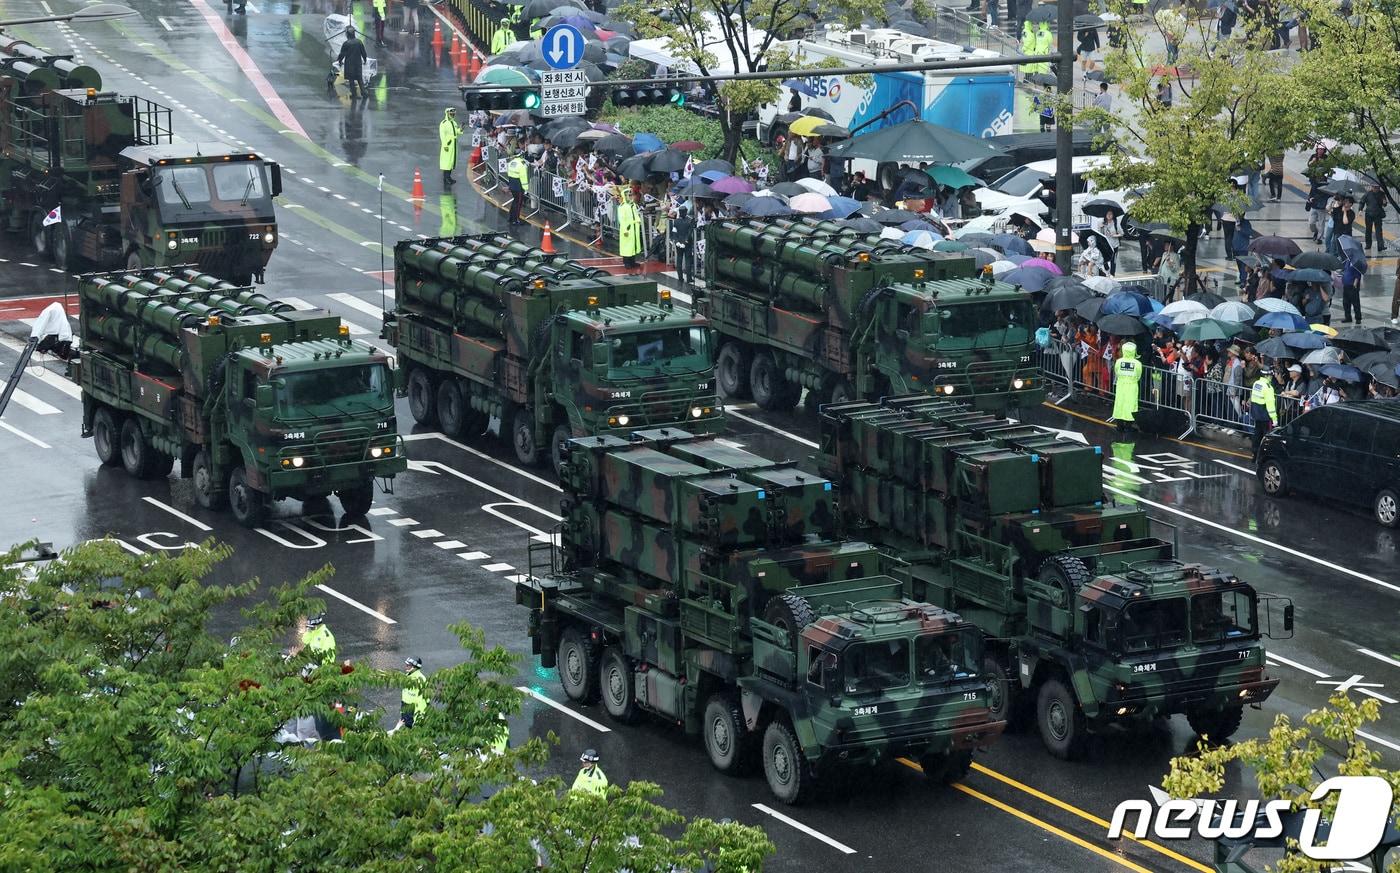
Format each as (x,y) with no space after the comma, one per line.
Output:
(97,180)
(1090,620)
(708,587)
(258,401)
(488,327)
(807,304)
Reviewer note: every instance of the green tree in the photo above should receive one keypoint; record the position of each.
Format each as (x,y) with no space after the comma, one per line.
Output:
(745,36)
(1290,762)
(133,738)
(1233,105)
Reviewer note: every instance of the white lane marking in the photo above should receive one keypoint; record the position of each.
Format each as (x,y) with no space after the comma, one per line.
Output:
(1379,657)
(357,604)
(1354,683)
(497,568)
(1252,538)
(516,578)
(177,513)
(34,404)
(427,534)
(777,430)
(450,544)
(431,435)
(163,23)
(48,10)
(473,556)
(564,709)
(403,522)
(1375,739)
(297,302)
(1296,666)
(354,302)
(1233,466)
(24,436)
(383,510)
(811,832)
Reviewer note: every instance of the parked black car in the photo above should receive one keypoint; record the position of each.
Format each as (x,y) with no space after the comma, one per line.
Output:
(1347,451)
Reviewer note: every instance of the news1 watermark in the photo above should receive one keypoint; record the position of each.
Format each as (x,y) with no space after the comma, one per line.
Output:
(1364,809)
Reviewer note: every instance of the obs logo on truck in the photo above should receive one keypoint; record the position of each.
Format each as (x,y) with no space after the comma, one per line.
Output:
(1363,811)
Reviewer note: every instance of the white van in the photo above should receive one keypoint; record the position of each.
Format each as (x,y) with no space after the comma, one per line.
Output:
(1020,189)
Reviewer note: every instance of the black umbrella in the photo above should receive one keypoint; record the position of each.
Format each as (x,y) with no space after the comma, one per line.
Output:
(1121,324)
(1042,13)
(1068,297)
(1274,347)
(976,238)
(1087,22)
(564,132)
(1275,247)
(1385,374)
(714,164)
(832,130)
(734,201)
(1317,261)
(634,168)
(1345,188)
(1389,358)
(542,8)
(893,217)
(1100,206)
(667,161)
(1089,309)
(1098,76)
(1045,80)
(1359,340)
(1206,299)
(913,141)
(617,145)
(864,225)
(789,189)
(1167,236)
(765,206)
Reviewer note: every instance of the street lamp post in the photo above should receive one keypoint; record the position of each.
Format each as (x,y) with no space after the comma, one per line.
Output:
(1064,138)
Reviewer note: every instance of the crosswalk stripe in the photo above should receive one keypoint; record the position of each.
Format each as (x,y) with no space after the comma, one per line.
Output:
(298,303)
(44,377)
(356,329)
(34,404)
(354,302)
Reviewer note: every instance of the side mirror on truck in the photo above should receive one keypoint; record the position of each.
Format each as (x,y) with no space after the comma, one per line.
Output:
(275,173)
(262,397)
(600,355)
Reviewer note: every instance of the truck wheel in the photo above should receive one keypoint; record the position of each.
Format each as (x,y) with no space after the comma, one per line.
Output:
(728,741)
(790,612)
(138,458)
(732,371)
(422,402)
(207,492)
(1216,725)
(1003,691)
(945,768)
(64,253)
(40,237)
(249,505)
(789,777)
(578,667)
(133,261)
(451,406)
(106,437)
(1061,721)
(1064,570)
(841,392)
(162,465)
(769,386)
(562,434)
(616,685)
(356,501)
(522,437)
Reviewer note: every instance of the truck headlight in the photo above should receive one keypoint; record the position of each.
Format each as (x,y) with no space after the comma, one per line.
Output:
(947,389)
(624,420)
(297,461)
(172,244)
(696,412)
(269,238)
(1018,384)
(381,451)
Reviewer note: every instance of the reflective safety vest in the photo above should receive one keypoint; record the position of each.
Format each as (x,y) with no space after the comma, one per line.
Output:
(501,742)
(591,779)
(629,230)
(320,642)
(517,169)
(412,694)
(448,131)
(1261,400)
(502,39)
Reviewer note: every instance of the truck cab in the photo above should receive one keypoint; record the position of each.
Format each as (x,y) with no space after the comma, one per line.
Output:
(204,204)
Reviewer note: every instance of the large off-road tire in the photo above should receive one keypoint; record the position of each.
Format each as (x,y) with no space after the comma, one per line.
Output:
(521,434)
(139,457)
(732,747)
(840,392)
(249,505)
(790,612)
(106,436)
(133,260)
(1215,725)
(1272,478)
(562,434)
(577,663)
(732,371)
(208,491)
(616,685)
(65,254)
(771,390)
(452,409)
(162,465)
(945,768)
(1065,570)
(422,397)
(356,501)
(40,237)
(1003,692)
(1386,507)
(789,777)
(1060,720)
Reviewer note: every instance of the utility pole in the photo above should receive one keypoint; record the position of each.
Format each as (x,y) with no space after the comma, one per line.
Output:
(1064,138)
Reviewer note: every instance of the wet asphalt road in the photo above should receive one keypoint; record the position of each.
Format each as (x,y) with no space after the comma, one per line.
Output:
(446,545)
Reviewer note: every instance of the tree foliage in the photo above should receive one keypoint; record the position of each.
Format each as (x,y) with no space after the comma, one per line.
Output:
(1234,105)
(133,738)
(1290,762)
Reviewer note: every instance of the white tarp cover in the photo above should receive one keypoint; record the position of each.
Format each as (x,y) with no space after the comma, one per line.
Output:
(334,33)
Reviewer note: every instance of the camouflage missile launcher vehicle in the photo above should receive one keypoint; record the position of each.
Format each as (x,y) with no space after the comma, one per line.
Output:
(257,400)
(1090,620)
(488,327)
(800,303)
(707,586)
(97,180)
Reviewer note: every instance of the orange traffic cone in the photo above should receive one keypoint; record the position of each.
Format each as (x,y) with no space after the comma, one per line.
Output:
(452,49)
(417,185)
(437,34)
(547,242)
(462,53)
(473,67)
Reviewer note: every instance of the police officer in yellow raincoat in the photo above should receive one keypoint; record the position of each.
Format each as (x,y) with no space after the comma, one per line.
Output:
(448,131)
(1127,373)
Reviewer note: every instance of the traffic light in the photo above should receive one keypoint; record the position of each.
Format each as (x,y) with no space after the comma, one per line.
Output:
(487,97)
(645,95)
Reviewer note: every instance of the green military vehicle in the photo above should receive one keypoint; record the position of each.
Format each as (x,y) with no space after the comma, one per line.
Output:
(257,400)
(488,327)
(97,180)
(1090,620)
(808,304)
(707,587)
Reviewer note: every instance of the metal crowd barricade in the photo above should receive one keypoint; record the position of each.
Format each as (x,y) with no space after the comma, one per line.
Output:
(1223,405)
(1061,362)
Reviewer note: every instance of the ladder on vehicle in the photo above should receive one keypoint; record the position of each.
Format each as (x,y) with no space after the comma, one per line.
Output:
(13,382)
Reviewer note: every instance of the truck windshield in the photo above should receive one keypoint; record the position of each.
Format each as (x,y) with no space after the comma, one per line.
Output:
(679,349)
(945,656)
(1020,182)
(1223,615)
(1153,624)
(353,389)
(980,325)
(213,192)
(877,666)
